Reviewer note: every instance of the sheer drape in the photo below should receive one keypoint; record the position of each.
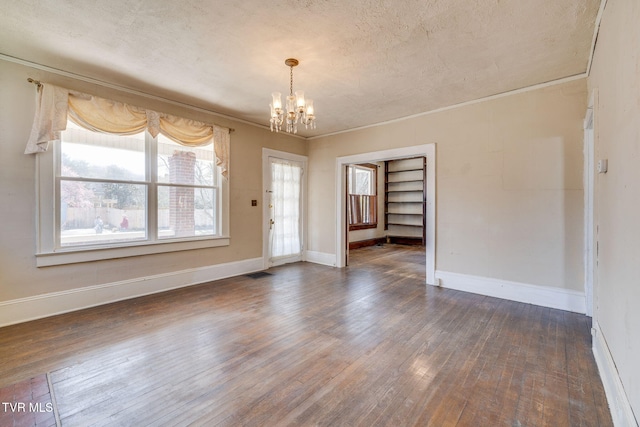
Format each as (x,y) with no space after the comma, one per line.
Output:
(285,186)
(55,104)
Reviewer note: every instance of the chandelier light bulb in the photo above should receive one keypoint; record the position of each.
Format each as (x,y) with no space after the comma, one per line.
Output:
(300,101)
(309,108)
(309,117)
(277,101)
(291,102)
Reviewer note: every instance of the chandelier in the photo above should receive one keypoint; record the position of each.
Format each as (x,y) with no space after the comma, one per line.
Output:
(298,110)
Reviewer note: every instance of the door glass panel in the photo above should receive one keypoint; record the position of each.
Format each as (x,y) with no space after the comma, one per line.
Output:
(285,200)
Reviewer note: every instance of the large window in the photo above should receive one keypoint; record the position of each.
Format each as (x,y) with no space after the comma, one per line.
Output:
(113,192)
(103,188)
(123,180)
(362,189)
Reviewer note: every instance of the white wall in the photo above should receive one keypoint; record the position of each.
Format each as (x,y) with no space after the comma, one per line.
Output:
(23,286)
(615,75)
(509,185)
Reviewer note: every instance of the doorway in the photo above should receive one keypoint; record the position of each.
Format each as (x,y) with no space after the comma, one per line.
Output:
(386,206)
(428,151)
(284,204)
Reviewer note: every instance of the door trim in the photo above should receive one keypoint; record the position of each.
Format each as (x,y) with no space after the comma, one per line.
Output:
(590,257)
(266,170)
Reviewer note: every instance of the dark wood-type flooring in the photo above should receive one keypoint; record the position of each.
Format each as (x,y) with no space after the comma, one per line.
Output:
(312,345)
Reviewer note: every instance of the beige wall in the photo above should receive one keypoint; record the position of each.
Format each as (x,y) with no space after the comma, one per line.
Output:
(615,75)
(509,184)
(19,276)
(509,179)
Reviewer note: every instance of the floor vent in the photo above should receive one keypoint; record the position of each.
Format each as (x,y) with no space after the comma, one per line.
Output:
(258,275)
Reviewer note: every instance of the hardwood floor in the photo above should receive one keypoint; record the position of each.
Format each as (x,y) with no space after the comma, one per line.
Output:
(314,345)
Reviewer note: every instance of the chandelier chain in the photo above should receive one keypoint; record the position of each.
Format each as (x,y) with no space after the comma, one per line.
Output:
(291,80)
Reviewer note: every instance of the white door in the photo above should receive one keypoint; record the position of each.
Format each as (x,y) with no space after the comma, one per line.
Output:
(284,189)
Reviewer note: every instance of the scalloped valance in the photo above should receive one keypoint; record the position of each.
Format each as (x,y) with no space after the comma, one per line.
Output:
(54,105)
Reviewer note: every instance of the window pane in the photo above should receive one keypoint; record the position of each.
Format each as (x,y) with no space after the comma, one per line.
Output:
(186,212)
(363,181)
(89,154)
(178,164)
(101,213)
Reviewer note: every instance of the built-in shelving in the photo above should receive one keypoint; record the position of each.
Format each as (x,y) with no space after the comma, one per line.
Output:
(405,202)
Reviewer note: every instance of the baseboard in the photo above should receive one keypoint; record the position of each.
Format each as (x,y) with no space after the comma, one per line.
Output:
(402,240)
(45,305)
(621,411)
(563,299)
(368,242)
(321,258)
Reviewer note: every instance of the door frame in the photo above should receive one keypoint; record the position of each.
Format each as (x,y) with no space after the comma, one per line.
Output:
(590,257)
(426,150)
(266,215)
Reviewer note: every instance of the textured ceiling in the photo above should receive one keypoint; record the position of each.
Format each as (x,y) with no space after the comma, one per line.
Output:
(363,62)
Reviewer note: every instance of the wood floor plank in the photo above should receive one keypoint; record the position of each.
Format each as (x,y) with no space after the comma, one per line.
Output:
(315,345)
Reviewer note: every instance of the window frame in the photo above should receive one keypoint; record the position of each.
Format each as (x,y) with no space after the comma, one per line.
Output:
(49,250)
(351,179)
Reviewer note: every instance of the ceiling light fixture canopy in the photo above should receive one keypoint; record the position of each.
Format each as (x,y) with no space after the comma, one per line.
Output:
(298,109)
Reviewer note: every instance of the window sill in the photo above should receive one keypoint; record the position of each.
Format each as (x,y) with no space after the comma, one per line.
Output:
(77,255)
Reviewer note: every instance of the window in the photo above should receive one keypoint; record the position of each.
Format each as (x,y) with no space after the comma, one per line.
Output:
(362,186)
(114,194)
(187,190)
(103,188)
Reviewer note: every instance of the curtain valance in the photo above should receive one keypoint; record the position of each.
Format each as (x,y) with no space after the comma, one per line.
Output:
(54,105)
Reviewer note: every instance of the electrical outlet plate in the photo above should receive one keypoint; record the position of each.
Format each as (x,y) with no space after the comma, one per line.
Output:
(603,165)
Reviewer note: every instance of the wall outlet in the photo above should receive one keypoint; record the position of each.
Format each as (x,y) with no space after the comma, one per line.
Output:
(603,165)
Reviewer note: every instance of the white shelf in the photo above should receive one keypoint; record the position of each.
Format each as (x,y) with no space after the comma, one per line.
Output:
(405,199)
